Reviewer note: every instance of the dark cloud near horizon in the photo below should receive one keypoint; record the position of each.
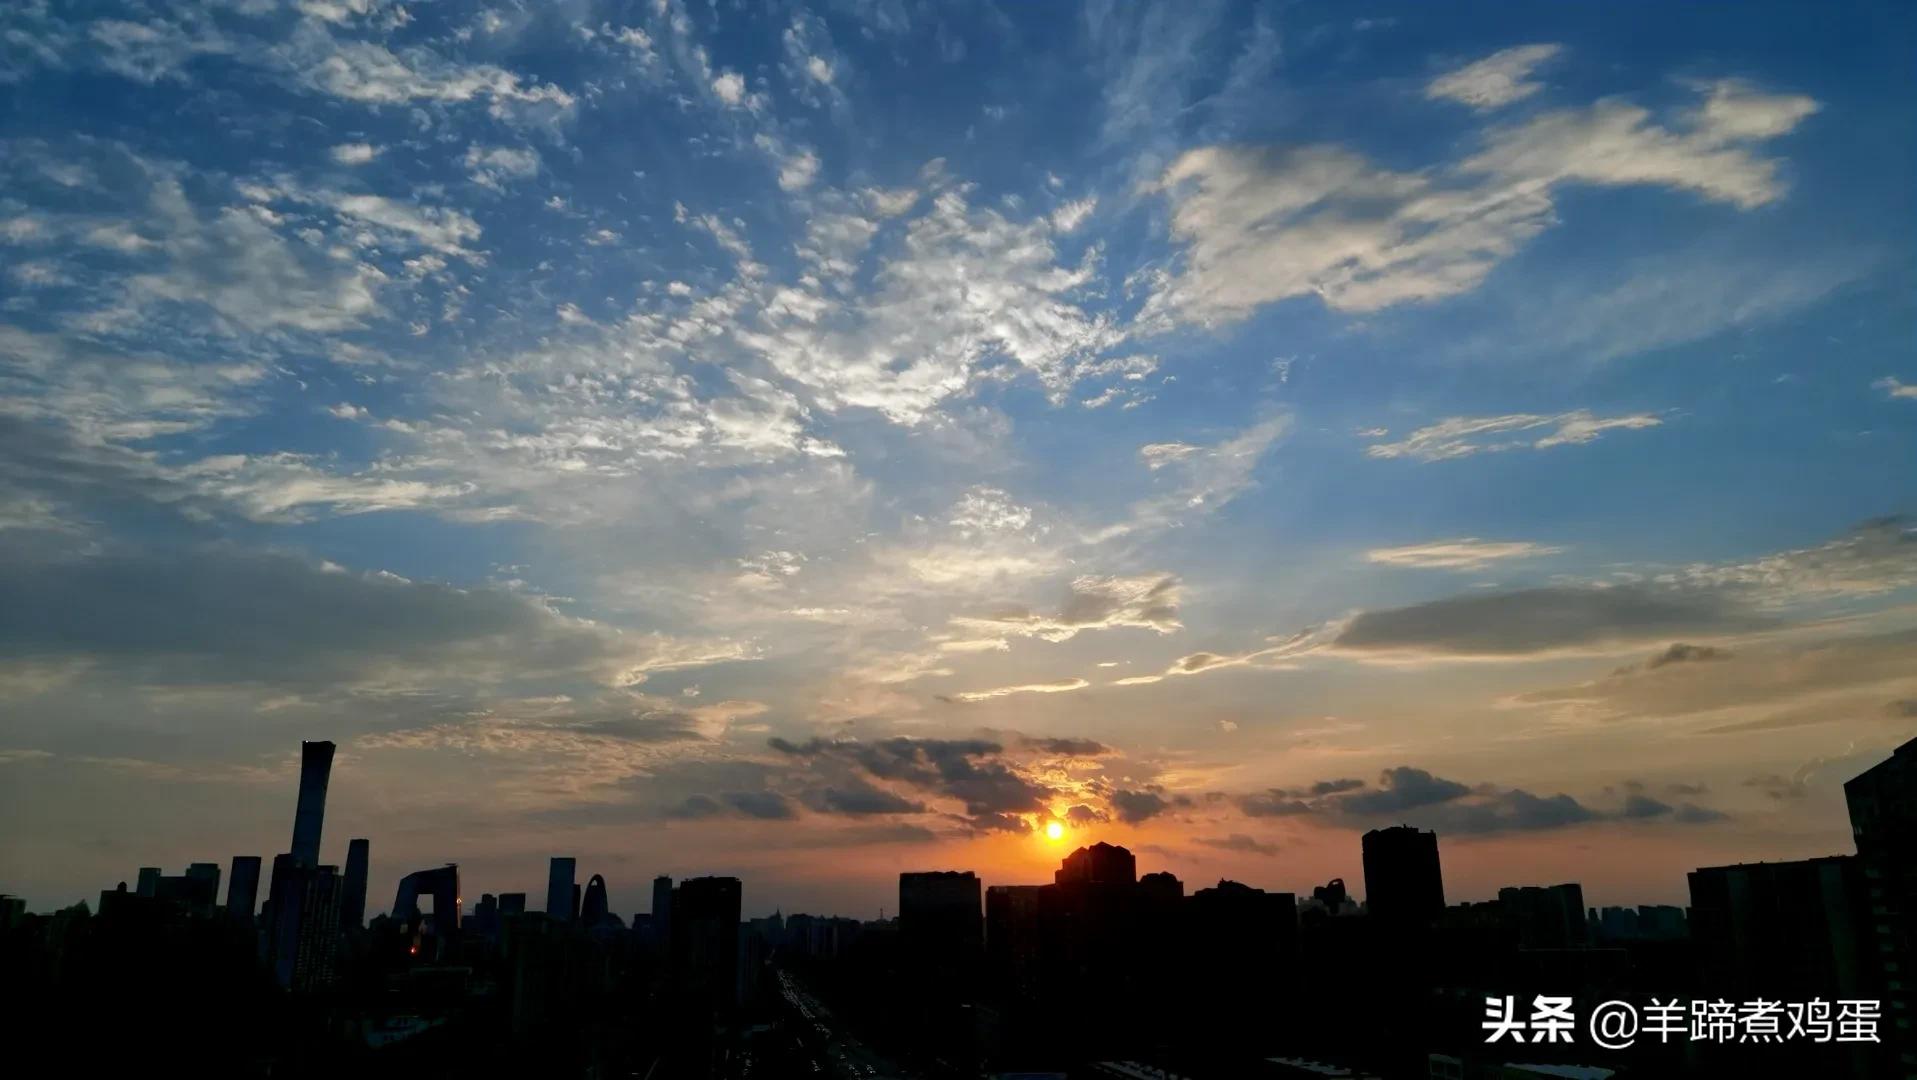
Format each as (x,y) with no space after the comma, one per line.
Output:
(860,800)
(971,771)
(1066,746)
(1400,789)
(763,805)
(1238,842)
(1081,814)
(222,613)
(1680,653)
(1779,787)
(1529,621)
(1410,795)
(1274,803)
(1133,807)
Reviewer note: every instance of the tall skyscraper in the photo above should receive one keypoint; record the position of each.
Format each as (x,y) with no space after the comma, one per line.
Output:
(243,889)
(1883,819)
(315,962)
(1013,942)
(303,932)
(352,906)
(316,768)
(593,909)
(149,882)
(941,931)
(939,911)
(559,888)
(705,942)
(662,908)
(1403,883)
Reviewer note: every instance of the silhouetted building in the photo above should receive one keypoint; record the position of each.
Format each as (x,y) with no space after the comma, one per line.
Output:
(485,917)
(352,909)
(1161,888)
(1403,883)
(1332,895)
(309,816)
(1663,922)
(1546,916)
(1099,864)
(512,903)
(315,966)
(243,889)
(1782,929)
(941,939)
(303,927)
(442,884)
(1012,942)
(593,909)
(560,888)
(1241,949)
(705,942)
(149,881)
(939,911)
(1883,819)
(197,891)
(662,907)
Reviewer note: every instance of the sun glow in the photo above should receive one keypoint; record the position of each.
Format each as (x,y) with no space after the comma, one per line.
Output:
(1054,830)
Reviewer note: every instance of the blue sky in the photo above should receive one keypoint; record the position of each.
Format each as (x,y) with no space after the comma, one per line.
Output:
(620,425)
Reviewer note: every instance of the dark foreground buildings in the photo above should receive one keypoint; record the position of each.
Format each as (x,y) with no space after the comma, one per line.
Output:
(1102,971)
(1883,817)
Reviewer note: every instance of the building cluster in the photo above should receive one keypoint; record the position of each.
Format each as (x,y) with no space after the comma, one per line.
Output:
(1100,965)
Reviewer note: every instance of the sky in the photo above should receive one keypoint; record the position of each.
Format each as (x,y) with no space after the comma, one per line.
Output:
(811,442)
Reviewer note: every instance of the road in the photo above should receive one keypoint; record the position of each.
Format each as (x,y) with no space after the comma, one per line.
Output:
(821,1044)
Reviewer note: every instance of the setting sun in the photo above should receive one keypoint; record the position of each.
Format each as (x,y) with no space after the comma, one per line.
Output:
(1054,830)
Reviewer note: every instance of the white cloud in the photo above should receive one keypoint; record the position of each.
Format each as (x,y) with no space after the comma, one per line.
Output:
(1208,478)
(1158,455)
(438,228)
(1895,388)
(105,395)
(1615,143)
(1145,602)
(1468,553)
(290,487)
(1461,436)
(150,51)
(254,278)
(730,88)
(372,74)
(357,153)
(797,168)
(1057,686)
(1069,216)
(494,166)
(1497,80)
(966,287)
(1262,225)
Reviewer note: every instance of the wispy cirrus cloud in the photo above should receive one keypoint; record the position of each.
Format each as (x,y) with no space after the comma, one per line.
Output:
(1462,436)
(1467,553)
(1055,686)
(1497,80)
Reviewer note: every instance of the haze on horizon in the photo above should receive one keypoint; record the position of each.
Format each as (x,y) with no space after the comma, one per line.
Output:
(810,442)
